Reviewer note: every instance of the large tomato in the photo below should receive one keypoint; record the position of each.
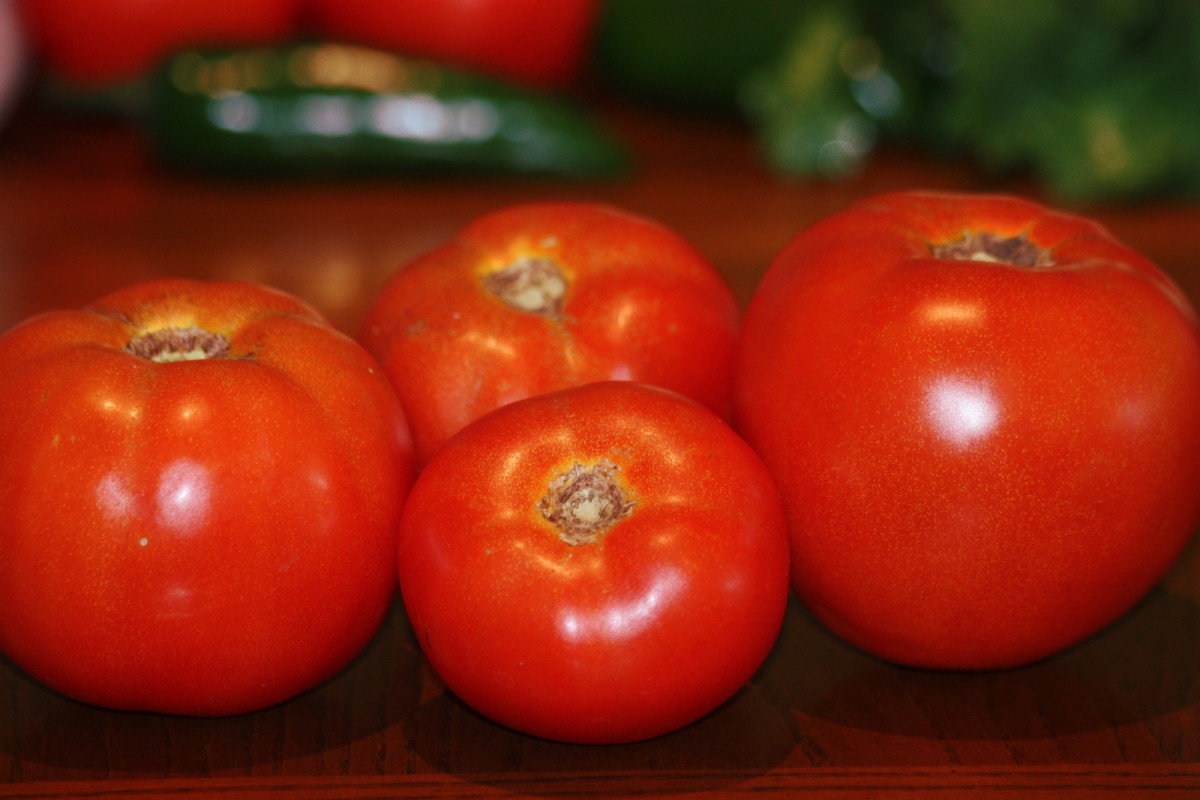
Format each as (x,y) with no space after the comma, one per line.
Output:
(199,496)
(601,564)
(985,419)
(99,42)
(534,298)
(533,41)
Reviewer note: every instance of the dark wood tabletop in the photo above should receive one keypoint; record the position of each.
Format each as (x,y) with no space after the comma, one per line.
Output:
(83,211)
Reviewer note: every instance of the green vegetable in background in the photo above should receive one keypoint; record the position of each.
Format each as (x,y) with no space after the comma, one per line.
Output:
(808,122)
(689,53)
(1100,100)
(333,108)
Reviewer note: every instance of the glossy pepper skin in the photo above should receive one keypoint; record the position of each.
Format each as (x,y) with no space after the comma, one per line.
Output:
(209,535)
(983,462)
(327,108)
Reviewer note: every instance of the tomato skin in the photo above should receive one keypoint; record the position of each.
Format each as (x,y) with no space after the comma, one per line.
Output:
(641,304)
(982,463)
(99,42)
(625,638)
(531,41)
(204,537)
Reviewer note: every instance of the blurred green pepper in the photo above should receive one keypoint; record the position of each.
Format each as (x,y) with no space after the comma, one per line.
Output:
(334,108)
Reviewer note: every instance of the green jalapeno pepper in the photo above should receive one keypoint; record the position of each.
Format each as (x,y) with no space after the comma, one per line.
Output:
(336,108)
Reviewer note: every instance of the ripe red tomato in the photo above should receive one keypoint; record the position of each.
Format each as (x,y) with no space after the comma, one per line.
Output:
(532,41)
(198,506)
(601,564)
(98,42)
(536,298)
(985,420)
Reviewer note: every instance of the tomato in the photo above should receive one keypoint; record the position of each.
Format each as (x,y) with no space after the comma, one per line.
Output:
(602,564)
(99,42)
(984,416)
(199,497)
(531,41)
(535,298)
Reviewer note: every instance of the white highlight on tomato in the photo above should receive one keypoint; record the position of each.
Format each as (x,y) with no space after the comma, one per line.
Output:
(183,496)
(962,410)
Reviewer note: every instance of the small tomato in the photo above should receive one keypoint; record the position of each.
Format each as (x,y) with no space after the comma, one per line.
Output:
(535,298)
(602,564)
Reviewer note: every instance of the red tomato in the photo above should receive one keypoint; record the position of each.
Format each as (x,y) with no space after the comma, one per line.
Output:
(536,298)
(532,41)
(208,535)
(601,564)
(97,42)
(985,420)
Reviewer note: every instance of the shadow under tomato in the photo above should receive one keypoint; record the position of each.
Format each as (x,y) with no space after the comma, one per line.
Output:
(1141,668)
(746,734)
(315,732)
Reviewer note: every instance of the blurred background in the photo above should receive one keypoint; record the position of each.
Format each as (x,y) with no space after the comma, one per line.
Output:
(317,145)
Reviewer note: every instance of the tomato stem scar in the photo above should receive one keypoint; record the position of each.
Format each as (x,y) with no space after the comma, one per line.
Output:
(584,502)
(986,246)
(530,284)
(178,344)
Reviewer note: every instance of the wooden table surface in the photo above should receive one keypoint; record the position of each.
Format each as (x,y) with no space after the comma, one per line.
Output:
(82,211)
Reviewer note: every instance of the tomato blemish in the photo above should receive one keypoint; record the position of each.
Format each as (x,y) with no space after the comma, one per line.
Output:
(534,285)
(584,502)
(985,246)
(178,344)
